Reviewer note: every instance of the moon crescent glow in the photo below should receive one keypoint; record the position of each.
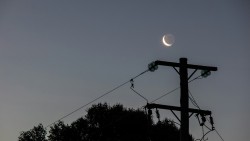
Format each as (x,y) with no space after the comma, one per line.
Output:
(164,42)
(168,40)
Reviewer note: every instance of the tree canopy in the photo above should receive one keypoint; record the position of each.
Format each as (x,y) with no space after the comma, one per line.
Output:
(107,123)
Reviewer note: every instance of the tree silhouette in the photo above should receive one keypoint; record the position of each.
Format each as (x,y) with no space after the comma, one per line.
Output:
(38,133)
(108,123)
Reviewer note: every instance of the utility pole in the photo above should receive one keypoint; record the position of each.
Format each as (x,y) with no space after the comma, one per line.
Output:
(184,94)
(184,100)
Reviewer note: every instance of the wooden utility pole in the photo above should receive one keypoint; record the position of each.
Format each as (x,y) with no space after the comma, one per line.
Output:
(184,98)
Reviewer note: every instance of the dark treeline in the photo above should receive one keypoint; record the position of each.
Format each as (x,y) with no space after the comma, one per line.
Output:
(107,123)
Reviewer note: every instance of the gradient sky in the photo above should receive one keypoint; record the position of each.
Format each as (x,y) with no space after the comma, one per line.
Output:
(56,56)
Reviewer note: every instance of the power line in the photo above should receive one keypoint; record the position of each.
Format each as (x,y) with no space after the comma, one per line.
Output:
(108,92)
(215,131)
(139,94)
(198,77)
(165,94)
(132,88)
(219,135)
(193,101)
(202,138)
(196,104)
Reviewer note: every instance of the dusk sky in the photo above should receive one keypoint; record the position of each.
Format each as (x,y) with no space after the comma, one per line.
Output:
(57,55)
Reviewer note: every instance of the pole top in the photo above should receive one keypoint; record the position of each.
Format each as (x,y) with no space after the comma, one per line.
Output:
(183,59)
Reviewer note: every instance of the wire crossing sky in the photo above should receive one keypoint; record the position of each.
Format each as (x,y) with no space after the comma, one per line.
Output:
(57,55)
(99,97)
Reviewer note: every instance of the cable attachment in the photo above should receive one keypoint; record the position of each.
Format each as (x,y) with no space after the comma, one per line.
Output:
(203,119)
(212,122)
(132,83)
(157,114)
(197,116)
(152,67)
(205,73)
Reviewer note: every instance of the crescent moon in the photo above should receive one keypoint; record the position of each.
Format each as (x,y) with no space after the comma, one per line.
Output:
(165,42)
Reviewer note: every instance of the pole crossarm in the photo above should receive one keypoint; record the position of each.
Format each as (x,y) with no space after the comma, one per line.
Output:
(190,66)
(159,106)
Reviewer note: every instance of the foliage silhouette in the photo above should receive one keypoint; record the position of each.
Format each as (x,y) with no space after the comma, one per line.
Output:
(38,133)
(107,123)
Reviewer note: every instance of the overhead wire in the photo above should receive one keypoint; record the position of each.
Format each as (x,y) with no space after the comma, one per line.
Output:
(132,88)
(198,77)
(219,135)
(97,98)
(137,93)
(202,138)
(208,127)
(165,94)
(117,87)
(143,107)
(196,104)
(214,129)
(193,101)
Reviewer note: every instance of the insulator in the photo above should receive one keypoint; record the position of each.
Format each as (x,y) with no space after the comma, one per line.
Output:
(152,67)
(197,115)
(205,73)
(211,120)
(132,83)
(149,112)
(203,119)
(157,114)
